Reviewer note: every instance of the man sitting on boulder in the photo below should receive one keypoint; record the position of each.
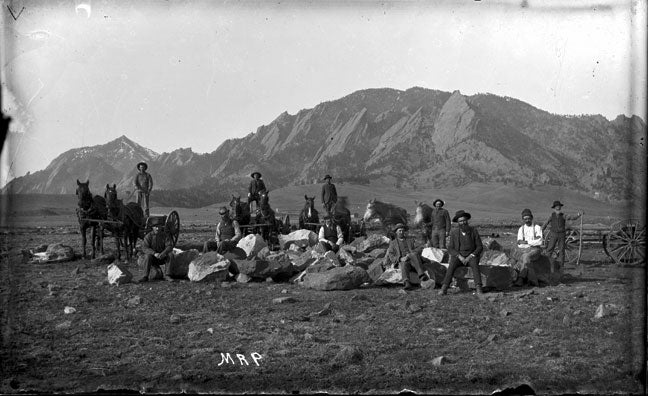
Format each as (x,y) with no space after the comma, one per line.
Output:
(402,254)
(529,248)
(228,233)
(330,235)
(157,247)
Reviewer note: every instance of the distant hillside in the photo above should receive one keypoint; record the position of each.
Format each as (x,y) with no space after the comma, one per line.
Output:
(411,140)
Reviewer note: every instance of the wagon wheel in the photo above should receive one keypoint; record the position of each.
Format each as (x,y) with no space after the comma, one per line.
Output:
(625,243)
(173,226)
(572,245)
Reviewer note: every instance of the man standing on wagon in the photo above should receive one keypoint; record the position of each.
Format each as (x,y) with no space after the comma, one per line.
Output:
(143,187)
(557,233)
(329,195)
(440,224)
(156,246)
(257,186)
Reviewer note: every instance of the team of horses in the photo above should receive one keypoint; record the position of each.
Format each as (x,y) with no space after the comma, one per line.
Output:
(125,221)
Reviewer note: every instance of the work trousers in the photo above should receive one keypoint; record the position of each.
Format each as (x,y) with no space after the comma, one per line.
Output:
(153,264)
(556,242)
(143,201)
(455,263)
(413,263)
(438,238)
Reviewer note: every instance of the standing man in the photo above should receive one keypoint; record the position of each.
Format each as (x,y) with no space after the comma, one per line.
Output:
(330,235)
(557,233)
(143,187)
(402,253)
(529,248)
(256,187)
(329,194)
(228,233)
(157,247)
(465,247)
(440,224)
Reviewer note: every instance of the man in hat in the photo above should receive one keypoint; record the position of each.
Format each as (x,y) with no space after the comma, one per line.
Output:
(143,187)
(557,233)
(402,254)
(257,186)
(529,248)
(464,247)
(228,233)
(157,247)
(330,235)
(329,194)
(440,223)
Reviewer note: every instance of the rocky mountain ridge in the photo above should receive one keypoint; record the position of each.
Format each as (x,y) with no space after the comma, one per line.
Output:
(414,138)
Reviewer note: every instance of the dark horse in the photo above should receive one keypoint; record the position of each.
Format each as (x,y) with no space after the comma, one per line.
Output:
(90,208)
(241,210)
(129,218)
(388,214)
(341,215)
(423,219)
(309,215)
(265,215)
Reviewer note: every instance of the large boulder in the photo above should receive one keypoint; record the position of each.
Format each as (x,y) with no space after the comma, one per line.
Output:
(377,253)
(178,266)
(301,238)
(275,266)
(375,269)
(371,242)
(341,278)
(494,258)
(364,262)
(345,257)
(55,253)
(435,254)
(209,267)
(321,264)
(436,270)
(118,274)
(302,261)
(491,244)
(393,275)
(251,244)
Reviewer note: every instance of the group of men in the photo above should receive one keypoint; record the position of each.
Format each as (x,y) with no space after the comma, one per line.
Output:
(464,243)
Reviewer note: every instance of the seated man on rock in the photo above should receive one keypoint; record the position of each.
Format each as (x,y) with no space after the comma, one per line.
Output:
(402,254)
(529,248)
(157,247)
(465,248)
(330,235)
(228,233)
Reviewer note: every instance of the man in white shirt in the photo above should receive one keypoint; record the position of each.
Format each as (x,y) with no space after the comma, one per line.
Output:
(530,243)
(330,235)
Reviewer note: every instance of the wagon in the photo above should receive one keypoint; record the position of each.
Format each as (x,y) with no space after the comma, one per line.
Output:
(624,241)
(171,224)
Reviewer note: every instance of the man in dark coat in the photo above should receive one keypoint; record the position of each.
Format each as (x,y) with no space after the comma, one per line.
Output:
(330,235)
(440,223)
(402,254)
(557,233)
(465,248)
(329,194)
(257,186)
(157,247)
(143,186)
(228,234)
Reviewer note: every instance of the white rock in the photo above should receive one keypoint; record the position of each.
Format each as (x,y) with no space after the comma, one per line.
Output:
(252,244)
(301,238)
(118,274)
(69,310)
(434,254)
(211,266)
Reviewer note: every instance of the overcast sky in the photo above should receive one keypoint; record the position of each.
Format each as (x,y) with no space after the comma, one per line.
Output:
(172,74)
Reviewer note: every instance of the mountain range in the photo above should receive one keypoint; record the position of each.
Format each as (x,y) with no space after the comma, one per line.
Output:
(412,139)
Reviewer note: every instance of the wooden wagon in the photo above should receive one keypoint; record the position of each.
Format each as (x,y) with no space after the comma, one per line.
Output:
(624,241)
(171,224)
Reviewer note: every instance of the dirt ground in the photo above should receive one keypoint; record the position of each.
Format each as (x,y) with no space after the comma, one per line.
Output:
(232,338)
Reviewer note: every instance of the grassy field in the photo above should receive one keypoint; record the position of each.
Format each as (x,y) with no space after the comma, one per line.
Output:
(233,337)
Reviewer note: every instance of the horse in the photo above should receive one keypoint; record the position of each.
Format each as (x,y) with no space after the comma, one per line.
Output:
(265,215)
(387,213)
(264,199)
(423,219)
(90,208)
(130,218)
(241,210)
(309,215)
(341,215)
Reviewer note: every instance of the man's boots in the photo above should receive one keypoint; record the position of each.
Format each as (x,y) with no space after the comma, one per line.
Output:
(408,285)
(444,290)
(479,290)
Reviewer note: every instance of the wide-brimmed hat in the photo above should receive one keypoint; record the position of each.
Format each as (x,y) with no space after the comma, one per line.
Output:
(327,177)
(327,217)
(155,221)
(223,210)
(556,203)
(460,213)
(255,173)
(142,164)
(438,200)
(400,225)
(527,212)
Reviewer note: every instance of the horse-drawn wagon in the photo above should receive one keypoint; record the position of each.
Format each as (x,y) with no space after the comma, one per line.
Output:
(624,241)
